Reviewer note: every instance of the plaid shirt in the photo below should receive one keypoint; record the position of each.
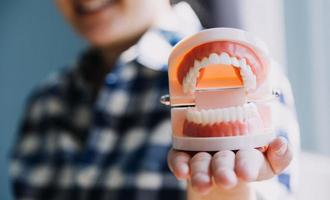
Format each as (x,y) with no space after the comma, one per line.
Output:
(76,143)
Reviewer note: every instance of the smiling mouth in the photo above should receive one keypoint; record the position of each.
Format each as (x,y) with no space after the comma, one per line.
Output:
(92,6)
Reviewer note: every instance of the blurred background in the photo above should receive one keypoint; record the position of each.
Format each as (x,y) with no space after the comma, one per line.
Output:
(34,41)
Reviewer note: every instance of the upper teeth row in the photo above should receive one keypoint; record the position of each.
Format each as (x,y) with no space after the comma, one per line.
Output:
(94,5)
(249,79)
(212,116)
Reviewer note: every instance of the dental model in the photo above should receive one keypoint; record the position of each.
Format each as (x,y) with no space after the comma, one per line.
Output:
(215,80)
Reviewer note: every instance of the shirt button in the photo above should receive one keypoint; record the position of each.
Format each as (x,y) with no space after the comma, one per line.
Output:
(111,79)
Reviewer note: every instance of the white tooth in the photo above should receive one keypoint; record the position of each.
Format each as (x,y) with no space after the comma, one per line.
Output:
(214,116)
(91,5)
(193,116)
(196,70)
(250,79)
(204,117)
(242,72)
(251,83)
(198,118)
(197,64)
(249,113)
(185,86)
(229,113)
(205,62)
(207,116)
(254,82)
(242,62)
(225,115)
(191,85)
(219,114)
(248,68)
(244,111)
(188,85)
(247,77)
(250,110)
(193,81)
(239,113)
(232,114)
(235,62)
(190,75)
(214,58)
(244,76)
(225,59)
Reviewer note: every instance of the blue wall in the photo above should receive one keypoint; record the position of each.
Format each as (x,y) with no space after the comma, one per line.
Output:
(34,40)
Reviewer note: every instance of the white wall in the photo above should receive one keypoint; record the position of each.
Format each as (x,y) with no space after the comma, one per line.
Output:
(265,19)
(308,48)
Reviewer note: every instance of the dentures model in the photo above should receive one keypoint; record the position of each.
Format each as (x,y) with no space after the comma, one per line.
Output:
(213,76)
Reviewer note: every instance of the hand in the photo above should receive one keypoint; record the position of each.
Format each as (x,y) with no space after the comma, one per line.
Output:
(227,168)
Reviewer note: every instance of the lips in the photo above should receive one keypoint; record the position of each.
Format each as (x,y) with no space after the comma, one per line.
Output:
(92,6)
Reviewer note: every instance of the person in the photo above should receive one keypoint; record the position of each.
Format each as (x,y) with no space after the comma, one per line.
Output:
(96,130)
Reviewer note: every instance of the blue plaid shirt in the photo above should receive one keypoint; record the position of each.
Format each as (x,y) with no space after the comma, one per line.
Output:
(78,143)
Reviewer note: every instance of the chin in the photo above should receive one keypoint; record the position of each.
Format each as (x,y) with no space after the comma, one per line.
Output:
(100,38)
(112,38)
(99,41)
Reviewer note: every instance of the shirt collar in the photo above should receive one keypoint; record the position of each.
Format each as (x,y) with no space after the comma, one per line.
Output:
(155,46)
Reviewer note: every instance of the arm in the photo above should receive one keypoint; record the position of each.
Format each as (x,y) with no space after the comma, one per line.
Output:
(43,155)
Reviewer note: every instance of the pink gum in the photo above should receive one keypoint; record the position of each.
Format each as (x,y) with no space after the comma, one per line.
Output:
(222,129)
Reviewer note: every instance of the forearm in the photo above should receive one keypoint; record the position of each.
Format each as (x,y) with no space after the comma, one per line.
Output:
(243,191)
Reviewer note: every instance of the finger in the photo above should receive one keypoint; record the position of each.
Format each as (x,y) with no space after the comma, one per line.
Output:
(178,162)
(279,154)
(222,166)
(200,172)
(249,163)
(263,149)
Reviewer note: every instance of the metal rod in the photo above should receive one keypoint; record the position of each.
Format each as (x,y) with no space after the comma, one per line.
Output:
(166,99)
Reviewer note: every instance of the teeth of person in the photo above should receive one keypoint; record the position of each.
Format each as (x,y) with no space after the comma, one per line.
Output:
(94,5)
(249,79)
(231,114)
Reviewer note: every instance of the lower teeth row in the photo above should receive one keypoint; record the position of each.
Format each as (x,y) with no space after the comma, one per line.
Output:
(212,116)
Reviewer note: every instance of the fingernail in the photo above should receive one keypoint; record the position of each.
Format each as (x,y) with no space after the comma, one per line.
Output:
(251,173)
(182,172)
(281,151)
(201,182)
(184,169)
(232,180)
(202,178)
